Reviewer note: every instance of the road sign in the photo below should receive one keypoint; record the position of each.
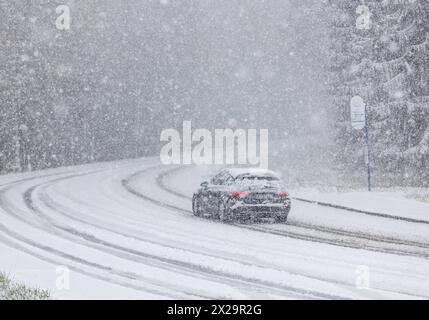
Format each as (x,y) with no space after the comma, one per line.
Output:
(357,113)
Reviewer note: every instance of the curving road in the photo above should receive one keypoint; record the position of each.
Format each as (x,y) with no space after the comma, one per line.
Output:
(125,230)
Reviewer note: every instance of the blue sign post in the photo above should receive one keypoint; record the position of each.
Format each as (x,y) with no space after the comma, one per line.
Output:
(367,154)
(359,121)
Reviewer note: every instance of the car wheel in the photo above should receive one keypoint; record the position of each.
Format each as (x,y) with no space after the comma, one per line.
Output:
(217,210)
(283,217)
(196,209)
(225,212)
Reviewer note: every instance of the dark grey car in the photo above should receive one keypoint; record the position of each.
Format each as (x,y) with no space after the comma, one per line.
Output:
(243,195)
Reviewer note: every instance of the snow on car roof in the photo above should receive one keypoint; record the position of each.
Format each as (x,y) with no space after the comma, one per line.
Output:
(257,172)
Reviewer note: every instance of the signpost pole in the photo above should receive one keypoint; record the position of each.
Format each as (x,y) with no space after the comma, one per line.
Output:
(359,121)
(367,154)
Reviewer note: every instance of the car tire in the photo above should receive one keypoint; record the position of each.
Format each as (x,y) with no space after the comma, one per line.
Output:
(283,218)
(196,209)
(225,212)
(215,215)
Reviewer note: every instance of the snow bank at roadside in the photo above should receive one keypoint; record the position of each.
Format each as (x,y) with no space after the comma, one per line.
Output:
(394,203)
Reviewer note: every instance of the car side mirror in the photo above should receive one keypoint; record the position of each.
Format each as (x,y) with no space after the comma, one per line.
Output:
(204,184)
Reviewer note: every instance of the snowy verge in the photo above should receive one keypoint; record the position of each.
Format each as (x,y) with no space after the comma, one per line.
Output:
(11,290)
(389,203)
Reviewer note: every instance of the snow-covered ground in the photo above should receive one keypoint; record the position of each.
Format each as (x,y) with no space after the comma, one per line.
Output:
(394,203)
(125,230)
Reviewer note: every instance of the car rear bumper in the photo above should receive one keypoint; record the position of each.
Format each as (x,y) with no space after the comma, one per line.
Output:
(260,211)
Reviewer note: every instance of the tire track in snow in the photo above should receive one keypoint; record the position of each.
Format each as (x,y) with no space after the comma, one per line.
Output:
(191,268)
(255,283)
(29,194)
(122,274)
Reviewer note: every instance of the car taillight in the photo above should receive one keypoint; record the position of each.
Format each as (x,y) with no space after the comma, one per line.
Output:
(283,194)
(238,194)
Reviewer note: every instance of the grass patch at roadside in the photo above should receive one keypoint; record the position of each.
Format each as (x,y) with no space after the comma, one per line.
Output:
(11,290)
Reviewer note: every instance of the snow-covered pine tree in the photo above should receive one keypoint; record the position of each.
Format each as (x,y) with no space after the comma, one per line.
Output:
(8,154)
(400,117)
(19,87)
(386,63)
(413,99)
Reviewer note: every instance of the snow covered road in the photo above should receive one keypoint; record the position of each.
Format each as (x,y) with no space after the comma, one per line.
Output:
(125,230)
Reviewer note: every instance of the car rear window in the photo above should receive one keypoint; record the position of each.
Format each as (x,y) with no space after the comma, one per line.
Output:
(256,178)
